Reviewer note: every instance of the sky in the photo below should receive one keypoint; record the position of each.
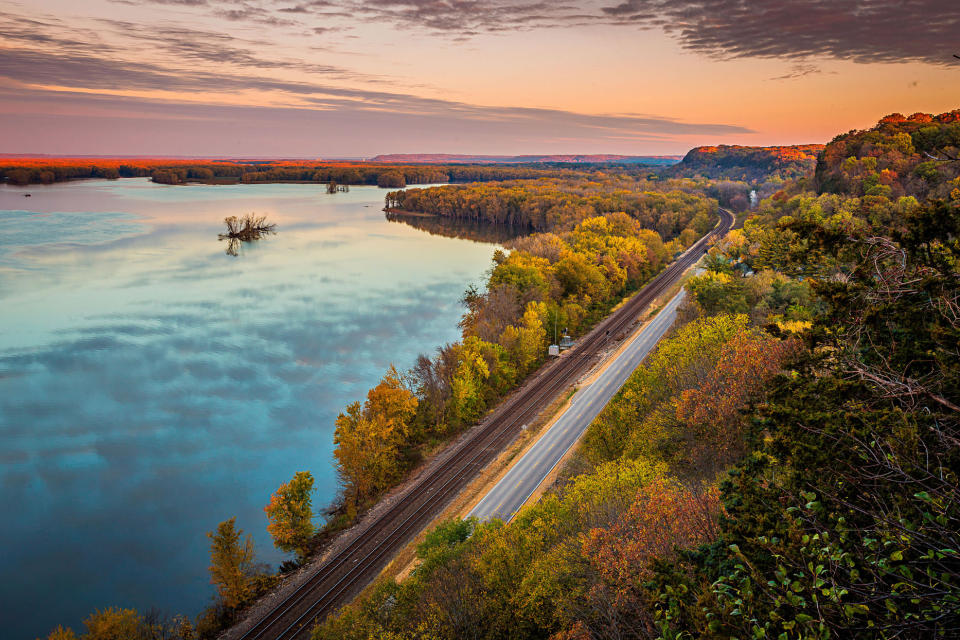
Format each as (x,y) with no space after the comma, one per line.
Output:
(356,78)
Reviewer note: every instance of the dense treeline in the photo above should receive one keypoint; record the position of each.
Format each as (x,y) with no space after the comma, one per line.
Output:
(843,521)
(554,159)
(560,204)
(914,156)
(568,565)
(748,164)
(566,277)
(785,466)
(24,171)
(548,281)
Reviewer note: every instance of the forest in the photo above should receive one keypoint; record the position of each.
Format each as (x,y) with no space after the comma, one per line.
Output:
(547,204)
(913,156)
(749,164)
(41,170)
(784,466)
(597,239)
(595,243)
(555,159)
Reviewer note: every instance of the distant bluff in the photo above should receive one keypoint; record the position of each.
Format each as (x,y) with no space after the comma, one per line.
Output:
(750,164)
(448,158)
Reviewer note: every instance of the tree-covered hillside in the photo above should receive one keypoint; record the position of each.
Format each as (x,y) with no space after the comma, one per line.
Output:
(748,164)
(785,466)
(915,156)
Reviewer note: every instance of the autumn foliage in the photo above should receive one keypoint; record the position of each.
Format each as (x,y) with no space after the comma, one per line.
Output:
(558,204)
(369,438)
(46,170)
(713,409)
(900,156)
(290,514)
(784,466)
(576,564)
(566,277)
(750,164)
(116,623)
(664,518)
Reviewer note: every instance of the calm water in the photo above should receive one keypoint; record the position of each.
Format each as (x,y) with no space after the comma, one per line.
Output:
(152,386)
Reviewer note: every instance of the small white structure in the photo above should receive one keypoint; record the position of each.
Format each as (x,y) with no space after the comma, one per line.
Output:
(553,350)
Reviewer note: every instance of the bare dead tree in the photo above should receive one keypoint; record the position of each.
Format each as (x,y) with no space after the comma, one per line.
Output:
(893,280)
(245,228)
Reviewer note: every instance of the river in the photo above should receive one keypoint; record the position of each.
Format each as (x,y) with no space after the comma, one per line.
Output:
(151,385)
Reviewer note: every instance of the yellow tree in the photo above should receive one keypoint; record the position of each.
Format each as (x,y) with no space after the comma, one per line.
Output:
(358,452)
(114,624)
(467,401)
(526,344)
(368,438)
(61,633)
(290,514)
(390,406)
(232,565)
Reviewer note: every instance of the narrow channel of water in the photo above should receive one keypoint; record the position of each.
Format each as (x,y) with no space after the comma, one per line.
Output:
(152,385)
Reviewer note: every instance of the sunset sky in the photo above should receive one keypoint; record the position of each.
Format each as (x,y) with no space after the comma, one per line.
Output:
(333,78)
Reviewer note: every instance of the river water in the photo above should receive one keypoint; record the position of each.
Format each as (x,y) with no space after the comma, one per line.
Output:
(151,385)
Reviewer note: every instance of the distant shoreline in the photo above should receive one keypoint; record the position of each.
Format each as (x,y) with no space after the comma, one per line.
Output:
(47,170)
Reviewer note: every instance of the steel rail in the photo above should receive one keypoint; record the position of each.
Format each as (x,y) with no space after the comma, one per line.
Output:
(438,485)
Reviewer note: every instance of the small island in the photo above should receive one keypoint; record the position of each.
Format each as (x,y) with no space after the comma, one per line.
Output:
(246,228)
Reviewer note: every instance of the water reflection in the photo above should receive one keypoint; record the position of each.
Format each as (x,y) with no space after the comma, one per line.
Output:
(233,246)
(246,228)
(151,386)
(462,229)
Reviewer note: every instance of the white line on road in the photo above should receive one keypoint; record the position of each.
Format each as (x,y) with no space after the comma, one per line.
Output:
(516,482)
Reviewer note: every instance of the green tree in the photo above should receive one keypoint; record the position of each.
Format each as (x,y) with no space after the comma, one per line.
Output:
(467,401)
(717,292)
(290,514)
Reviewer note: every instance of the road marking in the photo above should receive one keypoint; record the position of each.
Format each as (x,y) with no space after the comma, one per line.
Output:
(571,422)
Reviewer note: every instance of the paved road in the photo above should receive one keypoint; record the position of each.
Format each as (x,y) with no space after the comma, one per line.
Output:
(333,581)
(506,498)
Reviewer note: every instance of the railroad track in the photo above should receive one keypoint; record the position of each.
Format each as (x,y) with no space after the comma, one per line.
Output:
(353,567)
